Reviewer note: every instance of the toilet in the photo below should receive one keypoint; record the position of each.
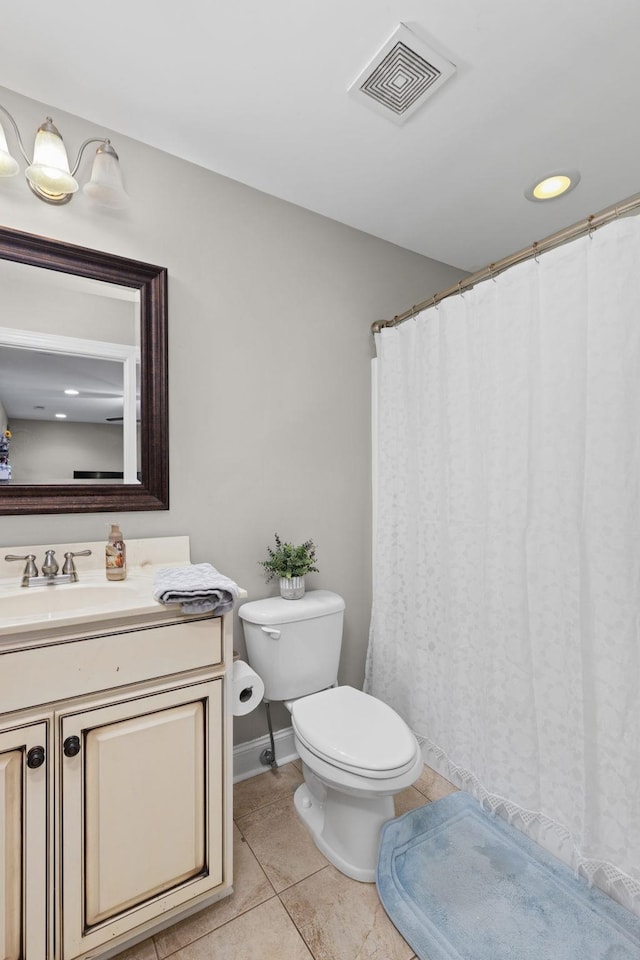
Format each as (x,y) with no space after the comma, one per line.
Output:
(357,753)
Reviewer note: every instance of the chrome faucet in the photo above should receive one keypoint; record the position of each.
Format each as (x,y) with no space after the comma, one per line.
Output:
(50,568)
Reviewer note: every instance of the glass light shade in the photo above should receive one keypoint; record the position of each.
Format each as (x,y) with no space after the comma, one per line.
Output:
(8,166)
(105,187)
(49,173)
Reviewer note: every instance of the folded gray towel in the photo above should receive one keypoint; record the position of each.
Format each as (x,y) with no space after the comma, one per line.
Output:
(199,587)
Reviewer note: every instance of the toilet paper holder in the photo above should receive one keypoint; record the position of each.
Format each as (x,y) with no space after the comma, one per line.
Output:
(268,755)
(247,693)
(247,688)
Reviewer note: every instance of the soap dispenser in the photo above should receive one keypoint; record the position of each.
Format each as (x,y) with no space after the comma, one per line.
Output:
(116,555)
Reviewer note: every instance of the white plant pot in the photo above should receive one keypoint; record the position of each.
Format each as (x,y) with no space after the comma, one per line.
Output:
(292,588)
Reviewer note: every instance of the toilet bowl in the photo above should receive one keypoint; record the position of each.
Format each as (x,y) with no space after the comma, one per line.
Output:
(357,753)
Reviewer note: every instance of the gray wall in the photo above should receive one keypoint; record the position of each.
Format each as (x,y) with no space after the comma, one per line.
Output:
(44,451)
(53,308)
(269,313)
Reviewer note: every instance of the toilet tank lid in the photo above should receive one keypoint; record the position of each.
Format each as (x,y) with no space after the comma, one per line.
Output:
(315,603)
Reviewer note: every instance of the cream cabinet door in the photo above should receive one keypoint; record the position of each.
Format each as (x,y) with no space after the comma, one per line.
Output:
(142,827)
(24,867)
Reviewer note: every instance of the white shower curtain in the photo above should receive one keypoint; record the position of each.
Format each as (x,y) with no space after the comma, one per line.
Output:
(506,615)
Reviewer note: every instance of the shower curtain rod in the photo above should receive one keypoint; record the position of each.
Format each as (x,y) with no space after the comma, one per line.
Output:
(489,272)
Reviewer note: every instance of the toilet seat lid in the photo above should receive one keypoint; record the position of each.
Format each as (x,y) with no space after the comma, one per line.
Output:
(353,730)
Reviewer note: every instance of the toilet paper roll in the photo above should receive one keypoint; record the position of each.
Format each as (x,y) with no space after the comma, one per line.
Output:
(247,689)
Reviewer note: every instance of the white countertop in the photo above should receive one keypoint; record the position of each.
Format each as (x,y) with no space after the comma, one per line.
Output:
(93,599)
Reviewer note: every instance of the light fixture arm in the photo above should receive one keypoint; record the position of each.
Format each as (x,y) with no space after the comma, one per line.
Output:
(16,131)
(103,140)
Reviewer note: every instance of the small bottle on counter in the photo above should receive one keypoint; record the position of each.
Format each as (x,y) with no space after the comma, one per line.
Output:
(116,555)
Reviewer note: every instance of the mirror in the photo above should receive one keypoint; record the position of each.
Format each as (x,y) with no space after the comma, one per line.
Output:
(79,320)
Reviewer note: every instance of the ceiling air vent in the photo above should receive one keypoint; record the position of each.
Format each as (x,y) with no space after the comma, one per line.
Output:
(401,76)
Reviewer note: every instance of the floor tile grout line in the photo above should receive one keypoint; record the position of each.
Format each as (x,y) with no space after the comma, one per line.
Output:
(302,879)
(256,854)
(293,921)
(259,862)
(221,926)
(261,866)
(268,803)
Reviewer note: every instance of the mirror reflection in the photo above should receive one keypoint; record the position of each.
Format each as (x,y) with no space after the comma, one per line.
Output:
(65,415)
(69,395)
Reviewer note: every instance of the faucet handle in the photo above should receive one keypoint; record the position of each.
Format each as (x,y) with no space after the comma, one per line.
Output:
(69,566)
(30,569)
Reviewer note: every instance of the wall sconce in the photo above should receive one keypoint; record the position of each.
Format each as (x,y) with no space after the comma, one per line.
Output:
(49,176)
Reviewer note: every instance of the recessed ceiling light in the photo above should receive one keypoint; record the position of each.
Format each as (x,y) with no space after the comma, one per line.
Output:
(552,186)
(61,416)
(71,392)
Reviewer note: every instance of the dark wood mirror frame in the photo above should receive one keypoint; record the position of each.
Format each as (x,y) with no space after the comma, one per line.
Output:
(151,282)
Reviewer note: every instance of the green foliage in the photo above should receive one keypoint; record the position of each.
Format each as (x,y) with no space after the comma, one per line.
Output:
(288,561)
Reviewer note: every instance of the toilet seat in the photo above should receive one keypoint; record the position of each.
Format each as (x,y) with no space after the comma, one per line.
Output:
(354,732)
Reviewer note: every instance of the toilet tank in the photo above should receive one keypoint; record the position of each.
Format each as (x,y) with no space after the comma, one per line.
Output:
(294,645)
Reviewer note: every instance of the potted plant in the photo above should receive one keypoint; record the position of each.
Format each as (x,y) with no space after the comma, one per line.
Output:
(290,564)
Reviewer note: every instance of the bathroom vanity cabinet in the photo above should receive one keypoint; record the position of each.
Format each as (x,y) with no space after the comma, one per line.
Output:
(115,781)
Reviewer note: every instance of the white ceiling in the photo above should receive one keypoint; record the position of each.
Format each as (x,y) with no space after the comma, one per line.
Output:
(33,383)
(258,92)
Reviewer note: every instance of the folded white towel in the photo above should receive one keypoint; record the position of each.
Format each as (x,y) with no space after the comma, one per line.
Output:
(199,587)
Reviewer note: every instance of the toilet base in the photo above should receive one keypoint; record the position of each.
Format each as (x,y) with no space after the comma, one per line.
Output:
(345,828)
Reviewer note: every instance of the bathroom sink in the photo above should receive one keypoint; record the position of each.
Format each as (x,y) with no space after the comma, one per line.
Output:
(43,613)
(39,609)
(46,601)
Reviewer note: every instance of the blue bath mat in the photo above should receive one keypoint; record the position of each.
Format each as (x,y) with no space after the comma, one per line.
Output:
(460,884)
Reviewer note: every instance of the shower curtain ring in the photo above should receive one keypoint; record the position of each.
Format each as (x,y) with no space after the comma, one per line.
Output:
(460,289)
(592,229)
(535,251)
(491,266)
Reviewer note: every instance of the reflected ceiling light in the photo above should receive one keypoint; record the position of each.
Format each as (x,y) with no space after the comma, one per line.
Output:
(70,392)
(49,175)
(61,416)
(552,186)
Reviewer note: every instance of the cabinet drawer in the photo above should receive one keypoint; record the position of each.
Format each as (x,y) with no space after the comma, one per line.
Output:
(31,677)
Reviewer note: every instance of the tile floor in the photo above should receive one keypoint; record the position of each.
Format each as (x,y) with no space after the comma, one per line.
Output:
(288,903)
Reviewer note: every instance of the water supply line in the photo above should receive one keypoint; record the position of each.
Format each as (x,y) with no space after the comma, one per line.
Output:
(268,755)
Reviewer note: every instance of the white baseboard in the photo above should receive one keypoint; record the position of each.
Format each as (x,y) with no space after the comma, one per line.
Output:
(246,756)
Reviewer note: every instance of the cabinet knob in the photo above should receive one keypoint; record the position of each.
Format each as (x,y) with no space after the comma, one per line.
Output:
(35,757)
(71,746)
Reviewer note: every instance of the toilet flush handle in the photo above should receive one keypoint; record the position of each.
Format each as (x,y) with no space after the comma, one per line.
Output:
(271,632)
